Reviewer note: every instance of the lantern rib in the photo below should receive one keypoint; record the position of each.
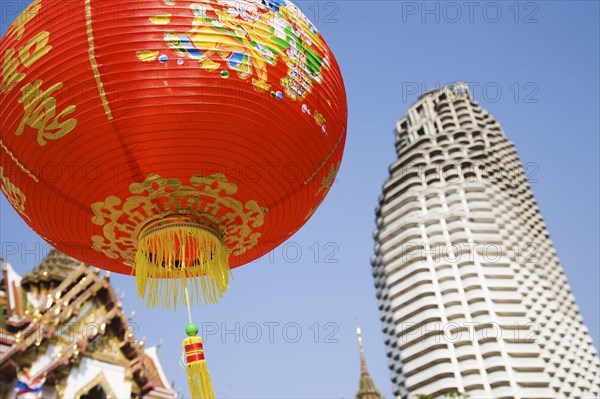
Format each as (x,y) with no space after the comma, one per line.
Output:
(93,63)
(19,164)
(337,143)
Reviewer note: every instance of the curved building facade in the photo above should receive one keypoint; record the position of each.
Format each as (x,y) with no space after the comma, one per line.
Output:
(473,298)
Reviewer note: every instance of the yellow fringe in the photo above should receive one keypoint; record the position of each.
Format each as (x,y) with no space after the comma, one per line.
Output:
(198,375)
(163,282)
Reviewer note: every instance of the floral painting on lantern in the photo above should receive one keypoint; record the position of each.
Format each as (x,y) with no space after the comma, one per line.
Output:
(246,37)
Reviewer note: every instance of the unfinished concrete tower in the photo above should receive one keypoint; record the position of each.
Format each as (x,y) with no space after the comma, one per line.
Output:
(473,298)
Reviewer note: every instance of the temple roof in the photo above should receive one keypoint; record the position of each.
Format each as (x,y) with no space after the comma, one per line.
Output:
(66,291)
(366,386)
(53,270)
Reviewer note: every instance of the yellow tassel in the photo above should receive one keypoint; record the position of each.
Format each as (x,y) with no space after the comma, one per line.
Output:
(172,255)
(197,371)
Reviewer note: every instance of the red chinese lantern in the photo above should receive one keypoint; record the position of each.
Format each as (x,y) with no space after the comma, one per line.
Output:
(174,140)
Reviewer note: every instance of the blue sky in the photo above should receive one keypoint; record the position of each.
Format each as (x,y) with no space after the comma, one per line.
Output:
(533,65)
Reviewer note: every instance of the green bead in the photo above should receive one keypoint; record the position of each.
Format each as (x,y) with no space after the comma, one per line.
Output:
(191,330)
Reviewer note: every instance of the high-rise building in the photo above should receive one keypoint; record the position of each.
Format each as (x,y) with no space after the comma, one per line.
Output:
(472,296)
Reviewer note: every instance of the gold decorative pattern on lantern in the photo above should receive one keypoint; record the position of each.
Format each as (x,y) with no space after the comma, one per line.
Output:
(163,19)
(247,38)
(316,172)
(13,194)
(326,184)
(328,180)
(147,55)
(208,197)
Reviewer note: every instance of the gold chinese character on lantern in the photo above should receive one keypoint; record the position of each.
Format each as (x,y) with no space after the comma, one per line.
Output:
(35,49)
(10,73)
(29,54)
(40,113)
(18,27)
(13,194)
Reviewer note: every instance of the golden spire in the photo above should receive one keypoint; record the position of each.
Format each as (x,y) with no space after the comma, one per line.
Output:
(363,363)
(366,387)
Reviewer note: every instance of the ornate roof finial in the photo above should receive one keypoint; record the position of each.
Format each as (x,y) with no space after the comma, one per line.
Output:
(366,387)
(363,363)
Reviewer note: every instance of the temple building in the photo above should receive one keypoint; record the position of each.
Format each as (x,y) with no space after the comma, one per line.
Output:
(366,386)
(64,334)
